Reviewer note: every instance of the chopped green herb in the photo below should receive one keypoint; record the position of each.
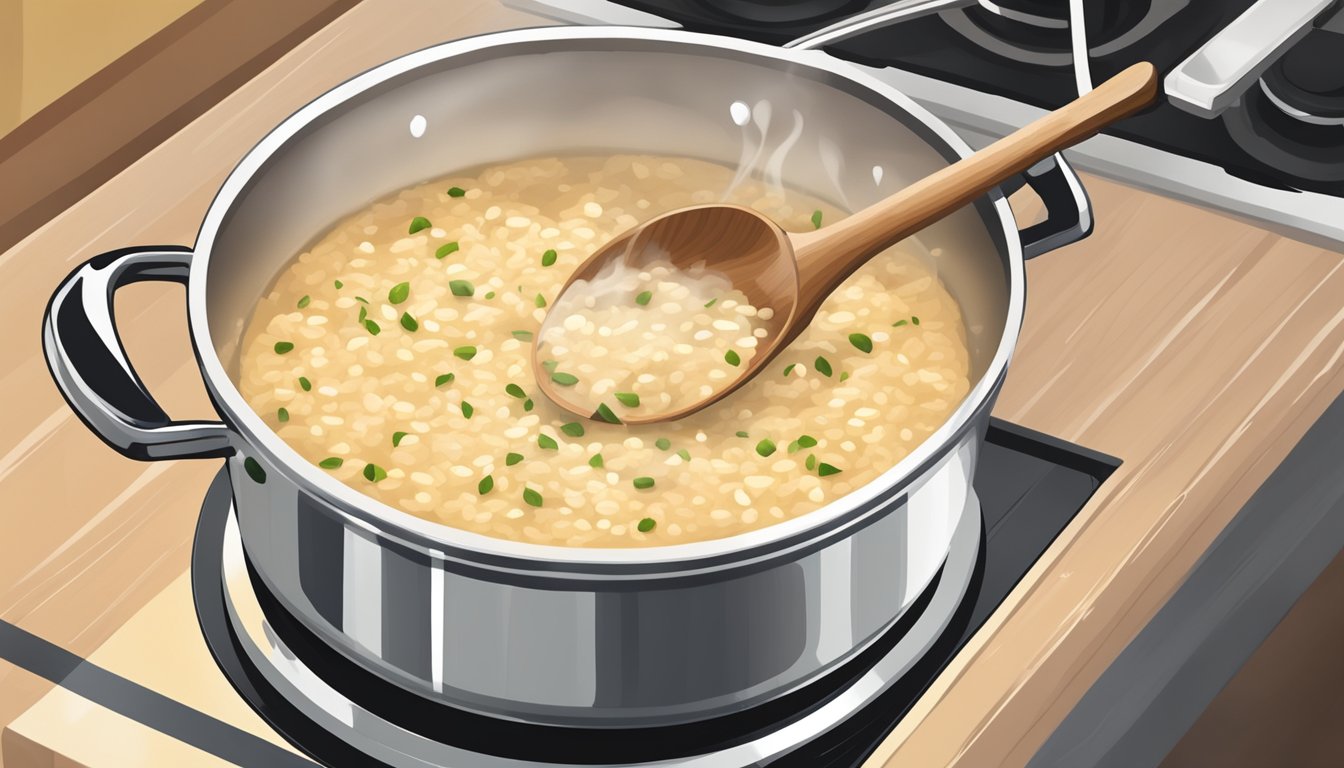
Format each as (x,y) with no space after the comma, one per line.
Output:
(522,335)
(467,409)
(486,485)
(816,219)
(444,378)
(646,525)
(281,347)
(304,301)
(844,375)
(418,223)
(515,391)
(811,462)
(399,293)
(899,323)
(604,413)
(643,483)
(408,322)
(710,303)
(373,473)
(372,327)
(397,437)
(596,461)
(825,469)
(547,443)
(628,399)
(789,368)
(914,319)
(254,470)
(489,294)
(548,258)
(644,298)
(663,443)
(527,404)
(282,414)
(861,342)
(361,299)
(461,287)
(466,353)
(550,365)
(742,433)
(456,192)
(339,285)
(564,379)
(331,462)
(765,447)
(363,314)
(806,441)
(446,249)
(512,458)
(684,454)
(822,365)
(540,301)
(573,429)
(732,358)
(305,384)
(532,497)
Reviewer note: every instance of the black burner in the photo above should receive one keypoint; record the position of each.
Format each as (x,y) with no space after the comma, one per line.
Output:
(1043,25)
(783,11)
(1309,78)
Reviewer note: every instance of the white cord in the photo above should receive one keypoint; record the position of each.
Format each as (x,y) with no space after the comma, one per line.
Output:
(1082,69)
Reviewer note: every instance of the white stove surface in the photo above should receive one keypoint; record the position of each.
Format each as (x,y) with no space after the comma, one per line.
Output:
(980,118)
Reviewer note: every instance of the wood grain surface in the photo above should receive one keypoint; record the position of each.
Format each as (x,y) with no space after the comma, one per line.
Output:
(88,537)
(1195,347)
(105,123)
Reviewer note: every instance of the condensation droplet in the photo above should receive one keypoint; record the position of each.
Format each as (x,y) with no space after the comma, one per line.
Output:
(418,125)
(877,174)
(740,112)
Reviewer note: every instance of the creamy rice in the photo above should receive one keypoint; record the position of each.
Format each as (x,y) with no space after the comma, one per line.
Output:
(614,340)
(395,353)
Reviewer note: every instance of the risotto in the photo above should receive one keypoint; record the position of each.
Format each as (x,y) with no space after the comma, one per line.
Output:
(395,355)
(617,336)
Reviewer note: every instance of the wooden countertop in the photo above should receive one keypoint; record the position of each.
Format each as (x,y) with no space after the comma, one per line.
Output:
(1195,347)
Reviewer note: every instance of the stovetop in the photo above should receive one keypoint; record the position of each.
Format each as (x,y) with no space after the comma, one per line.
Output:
(1276,154)
(1030,485)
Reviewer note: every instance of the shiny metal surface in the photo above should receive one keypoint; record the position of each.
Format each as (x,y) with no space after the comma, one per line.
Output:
(387,742)
(1214,77)
(600,637)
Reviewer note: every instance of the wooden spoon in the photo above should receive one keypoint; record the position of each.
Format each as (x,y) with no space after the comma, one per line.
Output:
(793,273)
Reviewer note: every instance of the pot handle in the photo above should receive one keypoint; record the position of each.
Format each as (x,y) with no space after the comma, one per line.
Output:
(1068,211)
(88,362)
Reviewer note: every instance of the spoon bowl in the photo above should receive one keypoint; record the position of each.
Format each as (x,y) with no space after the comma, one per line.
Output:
(791,274)
(741,244)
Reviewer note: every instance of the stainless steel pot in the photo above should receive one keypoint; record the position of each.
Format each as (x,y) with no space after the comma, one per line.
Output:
(551,635)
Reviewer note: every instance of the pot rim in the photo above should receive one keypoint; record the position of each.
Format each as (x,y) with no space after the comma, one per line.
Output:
(445,542)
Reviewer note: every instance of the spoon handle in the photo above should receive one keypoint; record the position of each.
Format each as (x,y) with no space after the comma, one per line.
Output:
(827,257)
